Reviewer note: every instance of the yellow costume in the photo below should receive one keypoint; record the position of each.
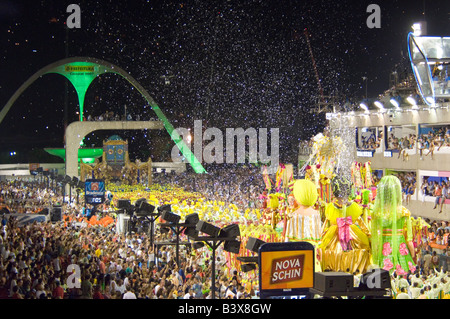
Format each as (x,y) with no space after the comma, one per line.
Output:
(271,214)
(304,224)
(345,242)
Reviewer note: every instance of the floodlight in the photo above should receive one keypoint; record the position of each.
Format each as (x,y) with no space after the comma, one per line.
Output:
(431,101)
(191,220)
(123,204)
(232,246)
(411,100)
(379,105)
(207,228)
(138,202)
(248,267)
(170,217)
(145,209)
(74,181)
(395,103)
(163,208)
(253,244)
(230,231)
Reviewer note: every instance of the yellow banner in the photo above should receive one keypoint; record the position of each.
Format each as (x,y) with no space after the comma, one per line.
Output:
(79,68)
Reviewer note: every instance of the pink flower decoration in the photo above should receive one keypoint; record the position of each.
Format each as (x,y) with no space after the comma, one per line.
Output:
(411,266)
(387,250)
(399,270)
(403,249)
(387,264)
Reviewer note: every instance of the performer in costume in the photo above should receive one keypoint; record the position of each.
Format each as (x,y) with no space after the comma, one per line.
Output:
(345,244)
(304,224)
(271,214)
(292,203)
(392,247)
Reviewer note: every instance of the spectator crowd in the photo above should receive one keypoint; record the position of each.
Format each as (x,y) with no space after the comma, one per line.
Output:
(431,279)
(36,258)
(238,185)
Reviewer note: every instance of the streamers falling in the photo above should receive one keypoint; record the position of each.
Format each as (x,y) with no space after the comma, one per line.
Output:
(230,63)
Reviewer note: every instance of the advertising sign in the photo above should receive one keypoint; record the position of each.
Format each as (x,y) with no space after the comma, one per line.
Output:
(94,191)
(286,269)
(115,154)
(364,153)
(79,68)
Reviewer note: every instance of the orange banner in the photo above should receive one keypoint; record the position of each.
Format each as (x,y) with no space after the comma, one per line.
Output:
(287,269)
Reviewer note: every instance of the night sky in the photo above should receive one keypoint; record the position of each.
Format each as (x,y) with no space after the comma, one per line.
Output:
(231,63)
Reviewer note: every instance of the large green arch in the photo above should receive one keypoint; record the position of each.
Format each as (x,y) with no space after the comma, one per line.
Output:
(81,71)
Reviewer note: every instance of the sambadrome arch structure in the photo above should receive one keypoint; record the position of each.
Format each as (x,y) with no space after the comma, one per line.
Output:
(81,72)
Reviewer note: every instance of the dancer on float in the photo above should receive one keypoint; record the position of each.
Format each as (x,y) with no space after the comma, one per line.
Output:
(304,223)
(392,247)
(345,244)
(271,214)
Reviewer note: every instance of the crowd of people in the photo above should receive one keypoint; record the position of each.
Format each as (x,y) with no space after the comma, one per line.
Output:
(408,182)
(402,144)
(431,279)
(238,185)
(432,284)
(112,266)
(36,257)
(438,233)
(426,143)
(432,141)
(439,190)
(436,138)
(371,142)
(26,197)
